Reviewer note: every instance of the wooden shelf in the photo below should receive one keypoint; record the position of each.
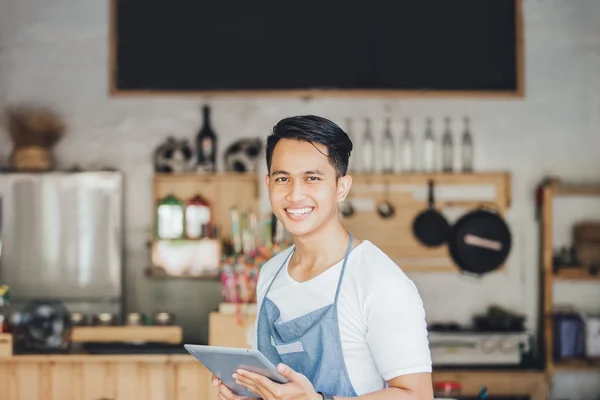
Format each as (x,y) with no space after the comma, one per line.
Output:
(575,274)
(104,334)
(500,180)
(221,190)
(160,273)
(576,365)
(577,190)
(248,176)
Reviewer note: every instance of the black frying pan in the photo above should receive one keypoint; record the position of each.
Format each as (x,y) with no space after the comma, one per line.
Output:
(479,241)
(430,226)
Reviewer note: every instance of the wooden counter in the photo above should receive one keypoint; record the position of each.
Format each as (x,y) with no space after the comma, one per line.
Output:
(181,377)
(110,377)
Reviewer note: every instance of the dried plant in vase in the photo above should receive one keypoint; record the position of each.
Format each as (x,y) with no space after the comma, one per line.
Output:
(34,131)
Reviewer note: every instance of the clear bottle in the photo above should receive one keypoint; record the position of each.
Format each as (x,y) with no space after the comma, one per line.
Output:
(447,148)
(429,152)
(407,158)
(351,161)
(467,148)
(387,149)
(368,149)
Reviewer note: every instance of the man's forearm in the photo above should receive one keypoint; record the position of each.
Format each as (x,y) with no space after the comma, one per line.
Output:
(391,393)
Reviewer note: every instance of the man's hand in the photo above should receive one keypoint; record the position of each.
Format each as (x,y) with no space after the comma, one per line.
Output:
(298,387)
(224,392)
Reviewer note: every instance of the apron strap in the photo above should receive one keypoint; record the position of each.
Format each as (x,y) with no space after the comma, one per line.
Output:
(279,270)
(337,292)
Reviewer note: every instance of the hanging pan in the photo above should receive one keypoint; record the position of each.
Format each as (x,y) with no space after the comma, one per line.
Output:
(479,241)
(430,227)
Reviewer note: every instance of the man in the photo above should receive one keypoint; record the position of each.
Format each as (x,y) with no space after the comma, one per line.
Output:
(336,315)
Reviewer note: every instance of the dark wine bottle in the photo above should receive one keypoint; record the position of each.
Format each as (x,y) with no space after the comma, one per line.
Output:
(206,144)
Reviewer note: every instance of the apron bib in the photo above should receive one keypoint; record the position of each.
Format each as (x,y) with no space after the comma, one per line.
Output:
(309,344)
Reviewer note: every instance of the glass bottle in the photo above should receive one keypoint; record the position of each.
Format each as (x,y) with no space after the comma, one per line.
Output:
(447,148)
(170,218)
(407,152)
(206,144)
(467,148)
(387,149)
(429,147)
(4,310)
(368,149)
(351,162)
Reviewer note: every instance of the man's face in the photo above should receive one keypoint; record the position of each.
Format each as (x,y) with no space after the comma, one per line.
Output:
(302,186)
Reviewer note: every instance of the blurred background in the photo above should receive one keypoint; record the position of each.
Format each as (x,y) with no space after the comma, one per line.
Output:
(132,176)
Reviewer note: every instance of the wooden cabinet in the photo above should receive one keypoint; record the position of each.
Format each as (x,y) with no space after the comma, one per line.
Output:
(145,377)
(222,191)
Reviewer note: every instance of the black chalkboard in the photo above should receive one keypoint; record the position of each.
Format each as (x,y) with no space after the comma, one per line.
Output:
(268,45)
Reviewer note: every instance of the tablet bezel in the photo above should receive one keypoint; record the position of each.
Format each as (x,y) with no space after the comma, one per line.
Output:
(226,376)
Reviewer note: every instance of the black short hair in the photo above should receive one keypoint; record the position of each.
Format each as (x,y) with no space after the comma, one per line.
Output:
(313,129)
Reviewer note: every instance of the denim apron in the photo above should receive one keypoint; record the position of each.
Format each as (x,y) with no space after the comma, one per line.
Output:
(309,344)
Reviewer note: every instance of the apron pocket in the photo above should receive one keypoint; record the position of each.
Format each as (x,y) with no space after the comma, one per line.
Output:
(295,347)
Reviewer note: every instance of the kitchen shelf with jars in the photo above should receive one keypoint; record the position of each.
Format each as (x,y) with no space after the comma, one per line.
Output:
(571,337)
(393,185)
(205,220)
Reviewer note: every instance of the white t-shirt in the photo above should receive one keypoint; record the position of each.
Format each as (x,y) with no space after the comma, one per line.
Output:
(380,313)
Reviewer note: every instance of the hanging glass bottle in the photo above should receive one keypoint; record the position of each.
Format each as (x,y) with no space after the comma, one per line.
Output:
(387,149)
(407,158)
(447,148)
(429,148)
(368,149)
(467,148)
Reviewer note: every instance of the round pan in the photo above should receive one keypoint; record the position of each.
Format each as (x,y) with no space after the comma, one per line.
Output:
(430,227)
(480,241)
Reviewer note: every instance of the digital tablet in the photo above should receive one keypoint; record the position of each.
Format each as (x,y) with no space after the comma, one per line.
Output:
(224,361)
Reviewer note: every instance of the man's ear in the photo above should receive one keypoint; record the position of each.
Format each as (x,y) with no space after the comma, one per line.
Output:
(267,181)
(343,187)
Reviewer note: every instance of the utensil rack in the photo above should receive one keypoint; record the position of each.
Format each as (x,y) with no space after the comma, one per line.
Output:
(458,192)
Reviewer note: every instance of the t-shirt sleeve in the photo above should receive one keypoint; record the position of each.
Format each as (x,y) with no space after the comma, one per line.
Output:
(397,329)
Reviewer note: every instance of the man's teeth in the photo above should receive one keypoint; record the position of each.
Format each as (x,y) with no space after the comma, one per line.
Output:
(299,211)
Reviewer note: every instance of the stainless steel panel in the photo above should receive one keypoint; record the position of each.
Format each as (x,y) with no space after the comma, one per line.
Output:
(62,235)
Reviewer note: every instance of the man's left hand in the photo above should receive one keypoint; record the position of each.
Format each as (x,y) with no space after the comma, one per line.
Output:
(298,387)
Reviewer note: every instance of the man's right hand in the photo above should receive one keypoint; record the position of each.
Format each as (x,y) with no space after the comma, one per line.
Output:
(224,392)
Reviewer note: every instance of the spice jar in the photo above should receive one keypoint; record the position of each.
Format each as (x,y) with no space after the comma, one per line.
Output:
(446,389)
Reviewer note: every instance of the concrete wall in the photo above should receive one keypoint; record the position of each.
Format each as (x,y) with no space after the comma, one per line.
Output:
(56,52)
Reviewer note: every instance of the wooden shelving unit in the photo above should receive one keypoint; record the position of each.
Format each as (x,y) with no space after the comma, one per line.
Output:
(408,194)
(549,276)
(406,191)
(222,191)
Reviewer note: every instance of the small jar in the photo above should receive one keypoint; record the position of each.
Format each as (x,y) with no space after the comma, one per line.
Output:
(446,389)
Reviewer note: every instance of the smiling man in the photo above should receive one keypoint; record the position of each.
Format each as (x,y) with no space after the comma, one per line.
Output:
(336,315)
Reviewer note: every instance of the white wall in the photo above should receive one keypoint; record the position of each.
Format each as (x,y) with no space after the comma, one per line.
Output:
(56,51)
